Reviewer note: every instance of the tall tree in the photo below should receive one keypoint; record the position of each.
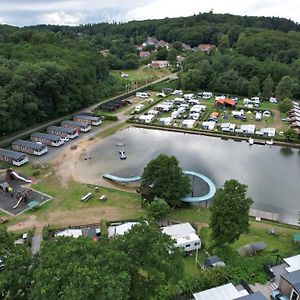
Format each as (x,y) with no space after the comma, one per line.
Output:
(164,175)
(158,209)
(254,86)
(284,88)
(230,213)
(267,88)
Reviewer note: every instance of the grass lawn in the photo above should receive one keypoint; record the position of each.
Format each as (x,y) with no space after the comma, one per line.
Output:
(109,131)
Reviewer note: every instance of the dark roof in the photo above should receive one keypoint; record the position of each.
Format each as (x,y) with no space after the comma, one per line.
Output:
(11,154)
(258,246)
(46,136)
(212,260)
(28,144)
(61,129)
(297,287)
(254,296)
(81,124)
(85,117)
(292,277)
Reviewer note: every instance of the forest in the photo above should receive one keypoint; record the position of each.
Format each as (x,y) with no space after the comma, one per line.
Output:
(48,70)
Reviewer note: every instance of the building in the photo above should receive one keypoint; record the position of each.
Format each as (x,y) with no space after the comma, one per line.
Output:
(184,236)
(165,106)
(209,125)
(79,126)
(144,54)
(29,147)
(188,123)
(63,132)
(104,52)
(225,102)
(289,285)
(92,120)
(159,64)
(163,44)
(206,47)
(47,139)
(180,59)
(13,157)
(146,118)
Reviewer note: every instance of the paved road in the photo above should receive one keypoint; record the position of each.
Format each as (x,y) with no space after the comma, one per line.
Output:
(36,243)
(90,108)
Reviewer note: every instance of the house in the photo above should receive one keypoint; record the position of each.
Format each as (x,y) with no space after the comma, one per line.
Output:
(289,284)
(75,233)
(159,64)
(186,47)
(166,121)
(29,147)
(207,95)
(146,118)
(214,261)
(163,44)
(79,126)
(47,139)
(248,128)
(223,292)
(225,102)
(209,125)
(108,107)
(184,236)
(151,40)
(180,59)
(13,157)
(63,132)
(227,127)
(206,47)
(104,52)
(188,123)
(92,120)
(144,54)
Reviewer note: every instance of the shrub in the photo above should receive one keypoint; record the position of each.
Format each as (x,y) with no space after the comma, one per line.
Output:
(104,228)
(106,116)
(36,173)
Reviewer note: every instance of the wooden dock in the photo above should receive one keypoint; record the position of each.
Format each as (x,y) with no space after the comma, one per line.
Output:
(266,215)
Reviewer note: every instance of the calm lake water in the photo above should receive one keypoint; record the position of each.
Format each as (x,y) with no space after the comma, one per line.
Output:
(272,173)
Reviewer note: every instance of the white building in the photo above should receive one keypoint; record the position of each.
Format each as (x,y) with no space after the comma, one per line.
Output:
(209,125)
(248,128)
(166,121)
(293,262)
(223,292)
(184,236)
(188,123)
(70,233)
(146,118)
(227,127)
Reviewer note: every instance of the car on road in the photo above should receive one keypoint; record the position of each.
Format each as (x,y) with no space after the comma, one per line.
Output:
(277,295)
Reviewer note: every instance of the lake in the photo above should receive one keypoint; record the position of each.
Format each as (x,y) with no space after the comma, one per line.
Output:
(272,173)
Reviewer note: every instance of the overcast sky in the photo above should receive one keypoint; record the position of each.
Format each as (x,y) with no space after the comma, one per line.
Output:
(74,12)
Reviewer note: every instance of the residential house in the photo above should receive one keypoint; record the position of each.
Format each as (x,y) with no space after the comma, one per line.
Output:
(186,47)
(206,47)
(13,157)
(29,147)
(225,102)
(184,236)
(163,44)
(47,139)
(144,54)
(209,125)
(289,285)
(63,132)
(180,59)
(92,120)
(151,40)
(104,52)
(188,123)
(159,64)
(79,126)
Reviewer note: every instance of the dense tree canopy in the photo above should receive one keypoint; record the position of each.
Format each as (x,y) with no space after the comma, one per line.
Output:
(166,179)
(230,213)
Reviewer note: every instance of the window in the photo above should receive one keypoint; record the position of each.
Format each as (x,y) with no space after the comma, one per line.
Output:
(197,244)
(188,245)
(294,296)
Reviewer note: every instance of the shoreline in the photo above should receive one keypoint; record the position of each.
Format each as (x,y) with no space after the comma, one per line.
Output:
(213,134)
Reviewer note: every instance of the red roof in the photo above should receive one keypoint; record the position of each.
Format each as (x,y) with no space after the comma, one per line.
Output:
(226,101)
(206,47)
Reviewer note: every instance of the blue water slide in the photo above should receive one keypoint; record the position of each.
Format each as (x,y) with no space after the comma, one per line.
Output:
(190,199)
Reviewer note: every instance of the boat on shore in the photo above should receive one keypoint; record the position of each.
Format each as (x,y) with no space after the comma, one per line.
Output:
(270,142)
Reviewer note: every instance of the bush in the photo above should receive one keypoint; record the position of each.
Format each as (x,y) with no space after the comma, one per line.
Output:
(285,105)
(36,173)
(45,233)
(104,228)
(106,116)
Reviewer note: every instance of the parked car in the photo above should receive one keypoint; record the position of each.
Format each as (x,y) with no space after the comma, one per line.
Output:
(276,295)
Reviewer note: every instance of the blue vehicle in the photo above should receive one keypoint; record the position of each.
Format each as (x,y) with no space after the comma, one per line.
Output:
(276,295)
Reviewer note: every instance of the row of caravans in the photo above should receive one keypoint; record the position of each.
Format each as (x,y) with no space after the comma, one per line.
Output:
(55,137)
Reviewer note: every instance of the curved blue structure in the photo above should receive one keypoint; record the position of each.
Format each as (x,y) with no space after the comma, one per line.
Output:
(191,199)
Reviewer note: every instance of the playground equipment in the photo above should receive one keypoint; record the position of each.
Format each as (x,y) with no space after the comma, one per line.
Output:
(11,175)
(86,197)
(190,199)
(22,196)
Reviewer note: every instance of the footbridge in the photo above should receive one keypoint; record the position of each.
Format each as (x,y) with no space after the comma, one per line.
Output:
(192,199)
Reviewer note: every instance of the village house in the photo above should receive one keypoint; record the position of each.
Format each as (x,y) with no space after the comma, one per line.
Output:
(29,147)
(206,47)
(47,139)
(63,132)
(184,236)
(159,64)
(92,120)
(186,47)
(104,52)
(225,102)
(13,157)
(144,54)
(163,44)
(151,40)
(180,59)
(79,126)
